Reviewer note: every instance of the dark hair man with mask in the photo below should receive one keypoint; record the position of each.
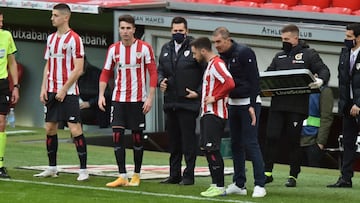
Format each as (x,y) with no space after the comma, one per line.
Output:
(179,78)
(287,112)
(349,101)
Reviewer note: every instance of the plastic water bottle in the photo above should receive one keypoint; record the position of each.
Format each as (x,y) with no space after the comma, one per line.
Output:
(11,118)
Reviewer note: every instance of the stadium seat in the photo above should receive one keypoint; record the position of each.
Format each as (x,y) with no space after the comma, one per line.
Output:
(256,1)
(307,8)
(351,4)
(287,2)
(337,10)
(274,6)
(357,13)
(320,3)
(211,1)
(243,4)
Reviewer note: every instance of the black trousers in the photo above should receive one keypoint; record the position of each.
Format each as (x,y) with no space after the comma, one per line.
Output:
(281,123)
(180,126)
(350,133)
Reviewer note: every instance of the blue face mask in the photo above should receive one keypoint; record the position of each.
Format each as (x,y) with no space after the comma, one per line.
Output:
(349,43)
(178,37)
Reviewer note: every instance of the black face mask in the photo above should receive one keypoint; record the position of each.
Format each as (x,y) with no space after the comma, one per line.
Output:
(349,43)
(178,37)
(287,46)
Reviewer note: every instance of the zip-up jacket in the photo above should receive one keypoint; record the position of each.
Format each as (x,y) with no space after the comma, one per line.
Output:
(242,64)
(300,57)
(182,71)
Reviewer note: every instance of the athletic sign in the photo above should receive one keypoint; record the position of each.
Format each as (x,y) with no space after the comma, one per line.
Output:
(286,82)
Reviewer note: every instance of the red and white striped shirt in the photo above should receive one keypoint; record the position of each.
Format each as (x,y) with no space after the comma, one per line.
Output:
(60,53)
(217,82)
(130,64)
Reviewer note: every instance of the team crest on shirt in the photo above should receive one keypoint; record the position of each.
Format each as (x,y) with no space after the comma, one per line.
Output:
(138,55)
(299,56)
(186,53)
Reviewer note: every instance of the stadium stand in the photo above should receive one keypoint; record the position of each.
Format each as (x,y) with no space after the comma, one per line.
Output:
(337,10)
(307,8)
(244,3)
(287,2)
(256,1)
(350,4)
(320,3)
(274,6)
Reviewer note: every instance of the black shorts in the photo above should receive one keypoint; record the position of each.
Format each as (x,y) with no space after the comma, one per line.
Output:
(128,115)
(5,96)
(211,131)
(67,111)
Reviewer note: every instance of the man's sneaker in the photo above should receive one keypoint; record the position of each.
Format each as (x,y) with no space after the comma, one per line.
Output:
(268,179)
(83,175)
(135,180)
(234,189)
(259,191)
(291,182)
(3,173)
(120,181)
(49,172)
(213,191)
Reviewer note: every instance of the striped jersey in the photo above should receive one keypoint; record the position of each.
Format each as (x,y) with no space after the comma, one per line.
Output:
(130,64)
(217,82)
(60,53)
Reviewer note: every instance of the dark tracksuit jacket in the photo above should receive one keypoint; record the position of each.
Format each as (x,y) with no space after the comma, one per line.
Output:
(300,57)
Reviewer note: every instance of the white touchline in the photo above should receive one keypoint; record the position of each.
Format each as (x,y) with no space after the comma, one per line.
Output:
(126,191)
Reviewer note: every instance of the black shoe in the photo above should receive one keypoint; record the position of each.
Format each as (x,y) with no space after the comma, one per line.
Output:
(291,182)
(268,179)
(3,173)
(341,183)
(171,180)
(187,181)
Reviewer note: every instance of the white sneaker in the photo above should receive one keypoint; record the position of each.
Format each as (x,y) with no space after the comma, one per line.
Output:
(83,175)
(49,172)
(259,191)
(234,189)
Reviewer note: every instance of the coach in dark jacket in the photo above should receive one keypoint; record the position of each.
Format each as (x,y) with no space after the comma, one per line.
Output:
(349,101)
(179,77)
(244,111)
(287,112)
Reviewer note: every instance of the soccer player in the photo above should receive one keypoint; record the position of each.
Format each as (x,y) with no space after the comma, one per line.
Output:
(130,58)
(64,57)
(7,62)
(217,83)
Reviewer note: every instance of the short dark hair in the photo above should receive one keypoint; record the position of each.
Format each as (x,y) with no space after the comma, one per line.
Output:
(291,28)
(1,13)
(179,20)
(223,31)
(127,18)
(63,7)
(355,27)
(201,43)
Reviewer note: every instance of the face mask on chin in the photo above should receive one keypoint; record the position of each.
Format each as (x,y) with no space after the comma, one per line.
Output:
(349,43)
(287,46)
(178,37)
